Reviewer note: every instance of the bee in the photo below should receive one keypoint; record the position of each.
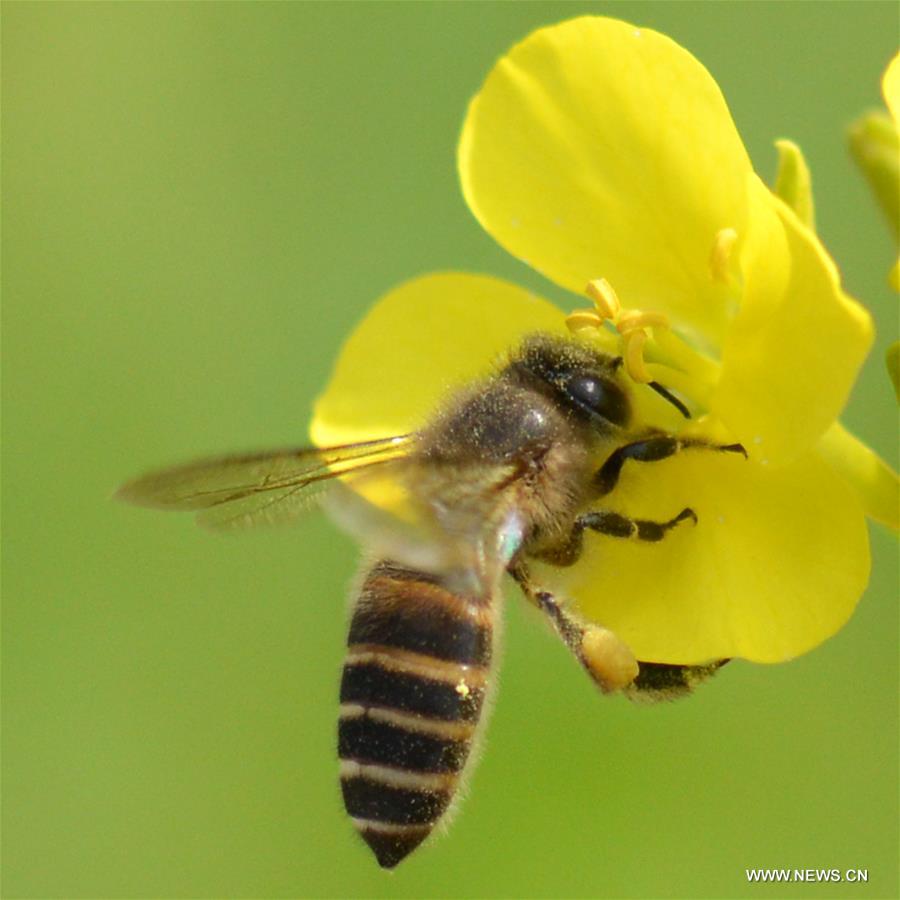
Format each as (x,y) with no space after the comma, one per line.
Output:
(505,473)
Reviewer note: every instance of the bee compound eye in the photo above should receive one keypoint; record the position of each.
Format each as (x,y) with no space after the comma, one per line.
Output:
(598,396)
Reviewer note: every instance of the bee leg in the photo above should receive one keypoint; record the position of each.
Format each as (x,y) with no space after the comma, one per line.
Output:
(664,681)
(650,449)
(608,660)
(616,525)
(613,525)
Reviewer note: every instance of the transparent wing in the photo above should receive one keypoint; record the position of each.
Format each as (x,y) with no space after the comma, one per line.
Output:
(275,487)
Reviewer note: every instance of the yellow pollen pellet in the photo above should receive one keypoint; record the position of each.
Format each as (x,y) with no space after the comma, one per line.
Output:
(462,689)
(604,297)
(720,257)
(608,659)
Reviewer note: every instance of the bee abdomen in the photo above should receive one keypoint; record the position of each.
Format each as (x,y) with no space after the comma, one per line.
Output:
(411,695)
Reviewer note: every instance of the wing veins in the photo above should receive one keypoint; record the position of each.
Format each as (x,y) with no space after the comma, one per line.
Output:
(319,472)
(293,483)
(310,464)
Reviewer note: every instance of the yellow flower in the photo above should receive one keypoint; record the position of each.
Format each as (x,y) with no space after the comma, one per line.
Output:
(599,150)
(875,145)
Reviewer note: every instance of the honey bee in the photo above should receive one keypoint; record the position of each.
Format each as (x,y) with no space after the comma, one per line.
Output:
(505,473)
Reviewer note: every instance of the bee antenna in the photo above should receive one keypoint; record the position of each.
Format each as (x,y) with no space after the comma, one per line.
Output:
(668,395)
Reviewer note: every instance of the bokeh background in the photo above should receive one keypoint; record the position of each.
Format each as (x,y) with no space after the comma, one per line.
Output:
(200,200)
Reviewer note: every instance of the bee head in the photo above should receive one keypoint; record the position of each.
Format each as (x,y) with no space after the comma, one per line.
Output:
(580,379)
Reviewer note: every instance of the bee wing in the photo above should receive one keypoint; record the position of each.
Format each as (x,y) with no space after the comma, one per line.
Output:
(466,530)
(412,541)
(269,488)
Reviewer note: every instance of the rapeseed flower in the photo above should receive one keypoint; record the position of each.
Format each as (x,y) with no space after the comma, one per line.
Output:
(602,154)
(875,145)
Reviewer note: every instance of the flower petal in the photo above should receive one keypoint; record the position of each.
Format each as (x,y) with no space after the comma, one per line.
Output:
(596,148)
(419,340)
(797,343)
(875,147)
(890,87)
(892,361)
(775,565)
(793,182)
(866,472)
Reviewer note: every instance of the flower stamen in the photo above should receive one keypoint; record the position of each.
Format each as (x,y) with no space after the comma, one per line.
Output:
(720,256)
(583,318)
(605,298)
(634,341)
(631,324)
(637,319)
(650,350)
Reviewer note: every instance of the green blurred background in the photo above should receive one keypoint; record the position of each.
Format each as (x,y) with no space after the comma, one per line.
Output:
(200,200)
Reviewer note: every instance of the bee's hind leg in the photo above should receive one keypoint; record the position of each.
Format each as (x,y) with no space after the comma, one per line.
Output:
(607,659)
(663,681)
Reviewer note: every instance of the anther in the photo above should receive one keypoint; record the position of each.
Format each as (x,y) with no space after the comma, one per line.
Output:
(632,325)
(583,318)
(634,356)
(604,297)
(631,321)
(720,257)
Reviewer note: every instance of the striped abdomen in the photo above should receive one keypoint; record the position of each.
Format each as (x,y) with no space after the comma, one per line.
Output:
(411,696)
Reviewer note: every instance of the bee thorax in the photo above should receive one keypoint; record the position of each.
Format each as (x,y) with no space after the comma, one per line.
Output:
(502,448)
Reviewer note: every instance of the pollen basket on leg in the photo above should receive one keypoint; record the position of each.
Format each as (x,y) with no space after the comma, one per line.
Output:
(412,691)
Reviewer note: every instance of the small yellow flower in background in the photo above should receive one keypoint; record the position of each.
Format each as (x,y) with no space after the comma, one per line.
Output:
(875,145)
(604,155)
